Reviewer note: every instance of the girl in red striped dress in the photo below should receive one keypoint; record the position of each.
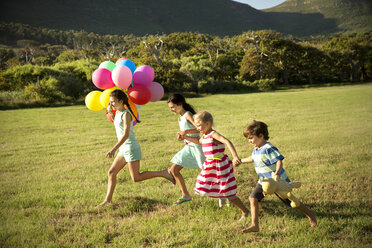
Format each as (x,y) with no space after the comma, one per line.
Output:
(217,178)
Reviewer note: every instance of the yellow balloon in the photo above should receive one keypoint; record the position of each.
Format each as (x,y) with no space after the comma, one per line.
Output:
(92,100)
(104,99)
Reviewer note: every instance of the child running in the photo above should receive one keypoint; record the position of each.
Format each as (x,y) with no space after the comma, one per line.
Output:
(129,149)
(217,178)
(267,159)
(191,156)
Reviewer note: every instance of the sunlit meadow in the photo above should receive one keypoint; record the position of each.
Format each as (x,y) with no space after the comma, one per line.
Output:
(53,173)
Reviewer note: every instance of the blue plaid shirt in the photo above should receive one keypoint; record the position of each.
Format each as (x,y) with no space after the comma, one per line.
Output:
(265,159)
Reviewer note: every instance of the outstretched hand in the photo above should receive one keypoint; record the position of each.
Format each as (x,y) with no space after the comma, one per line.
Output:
(237,161)
(180,136)
(111,153)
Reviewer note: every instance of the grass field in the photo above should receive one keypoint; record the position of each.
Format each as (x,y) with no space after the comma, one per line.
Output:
(53,172)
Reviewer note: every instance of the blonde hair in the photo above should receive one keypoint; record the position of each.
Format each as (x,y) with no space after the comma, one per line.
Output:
(204,116)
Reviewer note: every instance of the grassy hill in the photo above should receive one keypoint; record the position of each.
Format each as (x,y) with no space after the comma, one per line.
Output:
(350,15)
(216,17)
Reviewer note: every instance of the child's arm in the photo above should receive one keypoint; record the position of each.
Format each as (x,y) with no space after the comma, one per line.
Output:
(279,166)
(223,140)
(182,134)
(127,120)
(192,139)
(190,119)
(247,160)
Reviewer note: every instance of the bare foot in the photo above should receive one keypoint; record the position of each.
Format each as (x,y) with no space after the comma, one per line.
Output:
(312,219)
(251,228)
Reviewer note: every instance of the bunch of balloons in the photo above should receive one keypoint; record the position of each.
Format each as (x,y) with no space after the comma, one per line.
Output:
(136,82)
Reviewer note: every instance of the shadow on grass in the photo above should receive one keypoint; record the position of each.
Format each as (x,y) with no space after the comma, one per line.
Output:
(127,206)
(336,211)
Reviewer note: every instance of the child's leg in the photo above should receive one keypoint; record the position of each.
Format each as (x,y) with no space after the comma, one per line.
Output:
(138,176)
(256,196)
(116,166)
(254,227)
(237,202)
(303,209)
(309,213)
(175,170)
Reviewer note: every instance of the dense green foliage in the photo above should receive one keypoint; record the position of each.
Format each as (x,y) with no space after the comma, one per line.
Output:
(53,173)
(49,65)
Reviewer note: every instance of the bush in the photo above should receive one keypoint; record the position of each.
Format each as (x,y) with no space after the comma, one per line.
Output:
(172,79)
(262,84)
(54,89)
(220,86)
(81,70)
(18,77)
(61,82)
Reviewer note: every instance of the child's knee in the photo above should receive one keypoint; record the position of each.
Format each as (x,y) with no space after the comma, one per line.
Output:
(135,178)
(111,172)
(174,170)
(253,200)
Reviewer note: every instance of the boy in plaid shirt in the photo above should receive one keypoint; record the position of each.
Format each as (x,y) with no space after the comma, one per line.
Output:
(267,160)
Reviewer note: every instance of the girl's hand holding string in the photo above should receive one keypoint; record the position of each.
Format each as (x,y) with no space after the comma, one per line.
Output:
(109,108)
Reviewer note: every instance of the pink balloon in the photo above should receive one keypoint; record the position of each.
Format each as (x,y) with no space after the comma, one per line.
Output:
(143,75)
(157,91)
(102,79)
(139,94)
(122,76)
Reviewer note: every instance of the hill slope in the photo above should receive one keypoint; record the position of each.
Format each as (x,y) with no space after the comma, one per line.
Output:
(140,17)
(350,15)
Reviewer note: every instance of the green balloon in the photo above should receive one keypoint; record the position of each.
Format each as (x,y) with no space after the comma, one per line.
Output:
(109,65)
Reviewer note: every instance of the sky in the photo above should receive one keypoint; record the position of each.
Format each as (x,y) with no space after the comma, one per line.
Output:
(261,4)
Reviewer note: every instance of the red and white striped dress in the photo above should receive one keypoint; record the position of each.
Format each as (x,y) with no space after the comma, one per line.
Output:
(217,178)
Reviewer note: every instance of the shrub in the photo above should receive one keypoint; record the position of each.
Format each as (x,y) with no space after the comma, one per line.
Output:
(262,84)
(220,86)
(53,89)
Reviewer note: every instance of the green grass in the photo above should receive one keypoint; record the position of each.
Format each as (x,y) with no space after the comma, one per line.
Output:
(53,173)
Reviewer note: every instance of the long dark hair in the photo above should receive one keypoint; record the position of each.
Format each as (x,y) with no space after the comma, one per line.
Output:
(180,100)
(121,96)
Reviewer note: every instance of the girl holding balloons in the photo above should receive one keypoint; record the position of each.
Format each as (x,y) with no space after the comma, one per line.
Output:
(191,156)
(129,149)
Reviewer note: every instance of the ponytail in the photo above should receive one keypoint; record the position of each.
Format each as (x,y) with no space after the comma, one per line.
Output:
(121,96)
(188,107)
(180,100)
(131,111)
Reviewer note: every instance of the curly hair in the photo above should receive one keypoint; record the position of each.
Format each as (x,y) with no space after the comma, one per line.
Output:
(256,128)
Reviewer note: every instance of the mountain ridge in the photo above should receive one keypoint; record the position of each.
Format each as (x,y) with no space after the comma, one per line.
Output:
(141,17)
(357,17)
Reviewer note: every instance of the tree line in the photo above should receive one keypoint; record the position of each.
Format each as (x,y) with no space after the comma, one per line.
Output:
(50,65)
